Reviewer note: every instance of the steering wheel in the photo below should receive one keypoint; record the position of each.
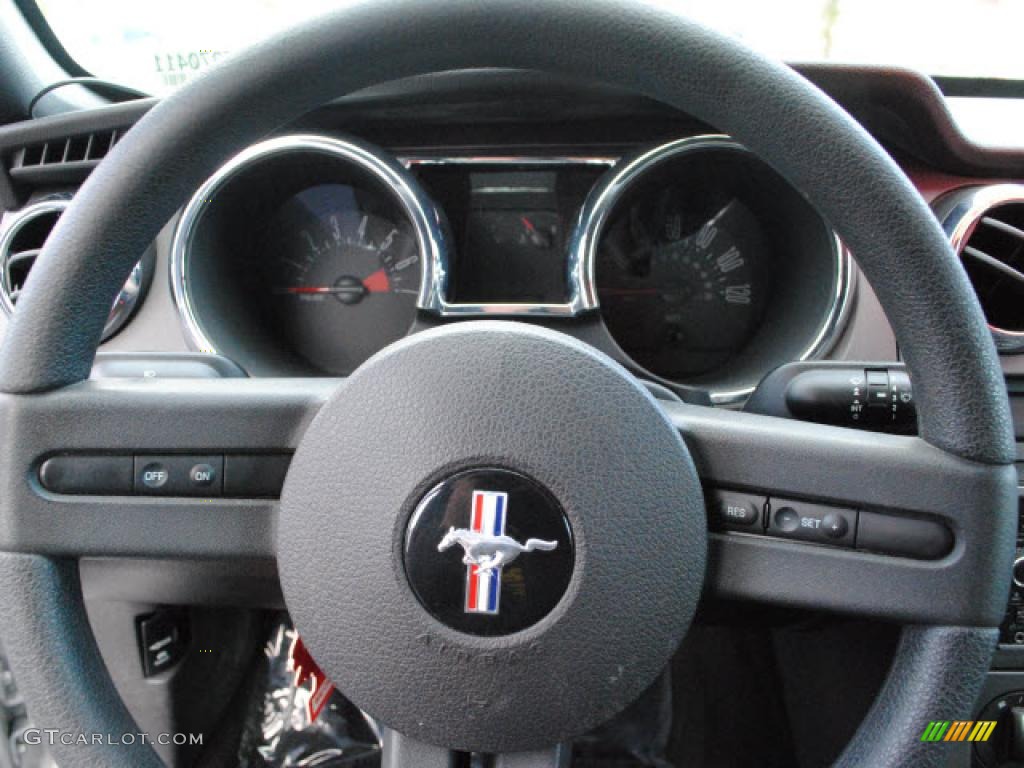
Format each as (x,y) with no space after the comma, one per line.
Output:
(624,472)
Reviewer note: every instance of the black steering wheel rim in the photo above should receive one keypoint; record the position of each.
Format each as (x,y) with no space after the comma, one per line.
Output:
(811,141)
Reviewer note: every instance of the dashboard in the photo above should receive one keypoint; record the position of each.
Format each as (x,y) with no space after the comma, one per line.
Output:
(648,235)
(306,254)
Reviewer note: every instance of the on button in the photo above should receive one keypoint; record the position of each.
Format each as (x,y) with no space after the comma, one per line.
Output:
(202,475)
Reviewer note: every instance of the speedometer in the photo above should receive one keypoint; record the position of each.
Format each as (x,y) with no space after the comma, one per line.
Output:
(682,287)
(709,268)
(343,273)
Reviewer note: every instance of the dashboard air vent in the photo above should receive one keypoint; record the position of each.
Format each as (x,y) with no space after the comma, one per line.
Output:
(62,159)
(986,226)
(23,237)
(72,149)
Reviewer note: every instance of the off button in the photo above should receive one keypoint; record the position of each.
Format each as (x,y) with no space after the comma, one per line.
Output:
(154,475)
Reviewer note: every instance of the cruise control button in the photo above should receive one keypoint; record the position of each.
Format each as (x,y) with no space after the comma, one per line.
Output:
(835,526)
(787,519)
(202,475)
(806,521)
(154,475)
(178,475)
(732,509)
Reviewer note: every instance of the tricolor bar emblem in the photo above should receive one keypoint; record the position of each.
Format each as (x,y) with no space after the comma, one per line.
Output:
(483,587)
(959,730)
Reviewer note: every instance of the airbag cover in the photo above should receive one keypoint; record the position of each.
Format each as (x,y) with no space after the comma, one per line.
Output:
(536,402)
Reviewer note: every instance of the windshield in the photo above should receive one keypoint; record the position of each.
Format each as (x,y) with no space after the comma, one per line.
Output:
(156,47)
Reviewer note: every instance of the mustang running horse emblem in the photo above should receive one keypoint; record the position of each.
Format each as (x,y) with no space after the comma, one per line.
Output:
(486,549)
(490,552)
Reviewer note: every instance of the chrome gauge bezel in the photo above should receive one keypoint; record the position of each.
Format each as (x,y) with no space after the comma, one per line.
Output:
(959,212)
(601,202)
(437,269)
(128,297)
(426,220)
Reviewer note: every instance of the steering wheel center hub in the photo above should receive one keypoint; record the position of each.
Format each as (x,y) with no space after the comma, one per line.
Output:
(491,537)
(489,552)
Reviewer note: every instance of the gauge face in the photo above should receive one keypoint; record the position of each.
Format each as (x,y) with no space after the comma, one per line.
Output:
(343,274)
(682,279)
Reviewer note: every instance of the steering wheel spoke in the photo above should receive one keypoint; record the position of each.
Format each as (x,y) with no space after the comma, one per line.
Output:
(127,418)
(896,476)
(896,479)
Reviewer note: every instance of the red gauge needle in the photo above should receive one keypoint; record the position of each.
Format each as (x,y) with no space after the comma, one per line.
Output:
(527,223)
(305,289)
(378,282)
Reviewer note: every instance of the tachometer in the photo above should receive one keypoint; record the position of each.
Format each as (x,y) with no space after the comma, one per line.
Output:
(304,255)
(344,273)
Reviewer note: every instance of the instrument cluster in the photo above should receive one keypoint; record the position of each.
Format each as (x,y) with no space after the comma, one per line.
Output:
(693,262)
